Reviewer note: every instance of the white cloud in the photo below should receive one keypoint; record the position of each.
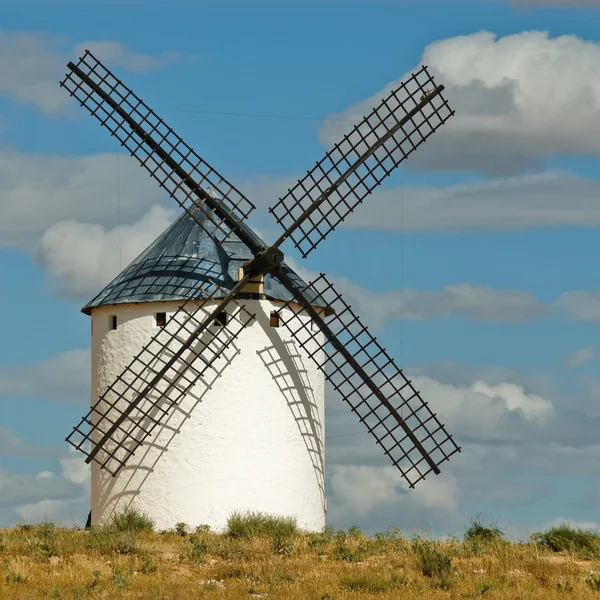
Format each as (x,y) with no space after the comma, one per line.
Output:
(65,377)
(475,302)
(518,99)
(580,305)
(358,492)
(115,54)
(32,64)
(101,253)
(580,357)
(531,201)
(61,188)
(63,499)
(549,199)
(507,432)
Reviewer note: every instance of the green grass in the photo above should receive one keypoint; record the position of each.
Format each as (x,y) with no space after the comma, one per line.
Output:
(566,538)
(268,555)
(256,524)
(132,520)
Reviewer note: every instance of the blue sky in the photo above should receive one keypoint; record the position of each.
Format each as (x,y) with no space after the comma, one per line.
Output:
(251,86)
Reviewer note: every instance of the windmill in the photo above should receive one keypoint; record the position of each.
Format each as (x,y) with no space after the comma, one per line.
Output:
(157,363)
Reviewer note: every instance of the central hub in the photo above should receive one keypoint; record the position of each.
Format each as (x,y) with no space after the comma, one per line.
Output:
(267,260)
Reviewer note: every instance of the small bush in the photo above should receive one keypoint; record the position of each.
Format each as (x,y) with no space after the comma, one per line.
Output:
(434,563)
(16,577)
(282,544)
(181,529)
(565,538)
(199,548)
(593,582)
(480,532)
(255,524)
(43,544)
(121,577)
(320,539)
(354,531)
(348,553)
(132,519)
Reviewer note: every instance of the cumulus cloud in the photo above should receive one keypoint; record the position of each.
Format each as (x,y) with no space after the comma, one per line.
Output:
(62,498)
(531,201)
(580,357)
(518,99)
(31,64)
(118,55)
(549,199)
(507,430)
(65,377)
(580,305)
(475,302)
(100,253)
(61,188)
(359,492)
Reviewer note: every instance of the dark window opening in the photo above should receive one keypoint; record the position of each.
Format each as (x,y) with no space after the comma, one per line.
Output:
(221,319)
(274,319)
(161,319)
(113,321)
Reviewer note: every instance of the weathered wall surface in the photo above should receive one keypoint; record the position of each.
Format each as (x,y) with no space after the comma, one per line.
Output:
(251,438)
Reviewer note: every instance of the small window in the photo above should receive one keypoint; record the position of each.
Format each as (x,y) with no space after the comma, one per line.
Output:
(112,321)
(274,319)
(161,319)
(221,319)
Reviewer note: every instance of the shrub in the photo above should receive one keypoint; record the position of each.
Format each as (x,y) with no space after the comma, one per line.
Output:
(199,548)
(181,529)
(131,519)
(354,531)
(255,524)
(434,563)
(593,582)
(43,544)
(566,538)
(479,532)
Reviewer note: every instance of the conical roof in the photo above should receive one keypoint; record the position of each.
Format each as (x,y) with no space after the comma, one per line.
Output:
(174,265)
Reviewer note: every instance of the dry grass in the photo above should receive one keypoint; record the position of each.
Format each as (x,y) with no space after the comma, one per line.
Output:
(49,562)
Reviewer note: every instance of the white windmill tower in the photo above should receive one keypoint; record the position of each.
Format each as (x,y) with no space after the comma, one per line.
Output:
(202,403)
(206,461)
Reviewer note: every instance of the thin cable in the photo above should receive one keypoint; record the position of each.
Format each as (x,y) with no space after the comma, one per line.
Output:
(335,437)
(259,115)
(119,211)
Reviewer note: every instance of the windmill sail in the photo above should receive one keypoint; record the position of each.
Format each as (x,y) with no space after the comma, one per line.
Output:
(188,178)
(164,371)
(369,381)
(357,164)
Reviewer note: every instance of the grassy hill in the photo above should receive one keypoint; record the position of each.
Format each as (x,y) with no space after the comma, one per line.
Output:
(266,557)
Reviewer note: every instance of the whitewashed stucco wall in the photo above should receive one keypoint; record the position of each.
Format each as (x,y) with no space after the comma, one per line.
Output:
(252,440)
